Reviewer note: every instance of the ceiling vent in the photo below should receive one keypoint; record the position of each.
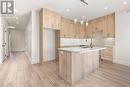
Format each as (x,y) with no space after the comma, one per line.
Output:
(84,2)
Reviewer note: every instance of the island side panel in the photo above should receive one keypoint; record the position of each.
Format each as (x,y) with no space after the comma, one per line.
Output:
(77,67)
(63,65)
(95,61)
(84,65)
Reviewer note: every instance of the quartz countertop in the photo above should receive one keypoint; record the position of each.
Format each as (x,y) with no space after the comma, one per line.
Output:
(81,50)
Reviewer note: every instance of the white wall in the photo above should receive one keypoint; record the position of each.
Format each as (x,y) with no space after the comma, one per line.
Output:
(122,41)
(17,40)
(32,37)
(35,36)
(49,45)
(28,39)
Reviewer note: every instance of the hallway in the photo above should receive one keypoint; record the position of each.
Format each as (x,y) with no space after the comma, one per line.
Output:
(18,72)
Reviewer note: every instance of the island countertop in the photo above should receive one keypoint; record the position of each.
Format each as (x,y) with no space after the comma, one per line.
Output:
(81,50)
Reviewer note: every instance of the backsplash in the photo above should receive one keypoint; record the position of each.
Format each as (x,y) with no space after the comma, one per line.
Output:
(74,42)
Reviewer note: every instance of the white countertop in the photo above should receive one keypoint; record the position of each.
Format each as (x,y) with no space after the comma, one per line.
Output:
(81,50)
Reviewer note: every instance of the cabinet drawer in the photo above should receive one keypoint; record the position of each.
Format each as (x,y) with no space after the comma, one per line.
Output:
(107,53)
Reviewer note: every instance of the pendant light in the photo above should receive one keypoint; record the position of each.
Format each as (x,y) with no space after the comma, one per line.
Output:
(75,20)
(87,24)
(82,22)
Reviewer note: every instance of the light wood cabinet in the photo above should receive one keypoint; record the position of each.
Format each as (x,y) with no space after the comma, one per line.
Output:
(82,32)
(100,24)
(90,30)
(75,66)
(69,29)
(111,25)
(107,54)
(64,28)
(76,28)
(106,24)
(51,19)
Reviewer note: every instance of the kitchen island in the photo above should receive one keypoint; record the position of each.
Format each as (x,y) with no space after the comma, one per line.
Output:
(75,63)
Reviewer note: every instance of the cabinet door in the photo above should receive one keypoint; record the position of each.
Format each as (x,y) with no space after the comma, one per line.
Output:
(51,19)
(90,30)
(107,54)
(71,30)
(64,28)
(111,25)
(105,29)
(46,19)
(100,24)
(109,30)
(63,24)
(82,31)
(63,63)
(77,30)
(56,21)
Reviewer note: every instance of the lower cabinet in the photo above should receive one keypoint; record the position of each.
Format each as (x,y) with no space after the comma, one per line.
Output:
(107,54)
(75,66)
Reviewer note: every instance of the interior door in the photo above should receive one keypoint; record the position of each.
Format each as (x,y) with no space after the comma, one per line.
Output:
(2,48)
(5,53)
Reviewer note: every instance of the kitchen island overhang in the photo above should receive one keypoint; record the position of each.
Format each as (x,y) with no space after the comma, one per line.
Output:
(75,63)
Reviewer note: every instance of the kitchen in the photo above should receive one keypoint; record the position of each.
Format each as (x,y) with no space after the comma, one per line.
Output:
(73,30)
(56,44)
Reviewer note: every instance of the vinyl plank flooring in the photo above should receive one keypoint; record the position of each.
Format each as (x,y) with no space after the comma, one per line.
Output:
(17,71)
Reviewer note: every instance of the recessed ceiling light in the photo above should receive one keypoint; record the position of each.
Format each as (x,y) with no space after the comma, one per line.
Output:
(125,2)
(106,8)
(68,10)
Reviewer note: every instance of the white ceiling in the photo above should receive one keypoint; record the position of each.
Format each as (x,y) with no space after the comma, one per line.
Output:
(94,9)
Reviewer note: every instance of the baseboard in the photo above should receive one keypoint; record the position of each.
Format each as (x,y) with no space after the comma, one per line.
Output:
(32,60)
(122,61)
(35,61)
(28,56)
(1,62)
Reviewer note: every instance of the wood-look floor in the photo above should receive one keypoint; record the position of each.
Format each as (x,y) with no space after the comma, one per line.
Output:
(18,72)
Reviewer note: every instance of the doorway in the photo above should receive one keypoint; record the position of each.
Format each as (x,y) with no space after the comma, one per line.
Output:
(51,43)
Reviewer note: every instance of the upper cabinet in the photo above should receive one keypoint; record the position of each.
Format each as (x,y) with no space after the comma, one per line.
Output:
(51,19)
(109,30)
(111,25)
(69,29)
(106,24)
(82,33)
